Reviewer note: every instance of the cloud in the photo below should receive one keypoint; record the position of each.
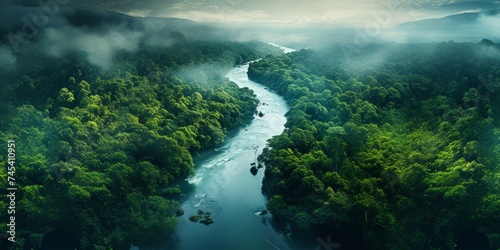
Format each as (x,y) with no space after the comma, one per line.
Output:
(7,58)
(100,48)
(226,16)
(101,34)
(490,24)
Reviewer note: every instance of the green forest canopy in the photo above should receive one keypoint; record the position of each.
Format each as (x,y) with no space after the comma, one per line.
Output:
(98,150)
(395,145)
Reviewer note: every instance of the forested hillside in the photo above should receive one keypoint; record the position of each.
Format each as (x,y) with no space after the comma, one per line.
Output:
(98,150)
(390,146)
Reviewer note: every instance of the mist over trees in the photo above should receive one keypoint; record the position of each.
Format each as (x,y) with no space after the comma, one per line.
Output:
(100,150)
(387,145)
(394,147)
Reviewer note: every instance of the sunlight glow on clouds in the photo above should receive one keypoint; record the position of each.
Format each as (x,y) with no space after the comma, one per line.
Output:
(221,15)
(289,12)
(313,12)
(278,12)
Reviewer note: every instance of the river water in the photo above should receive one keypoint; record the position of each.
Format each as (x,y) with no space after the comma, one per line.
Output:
(224,186)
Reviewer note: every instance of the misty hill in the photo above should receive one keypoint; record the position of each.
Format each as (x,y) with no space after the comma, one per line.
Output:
(103,19)
(460,27)
(460,20)
(96,19)
(100,34)
(20,26)
(92,18)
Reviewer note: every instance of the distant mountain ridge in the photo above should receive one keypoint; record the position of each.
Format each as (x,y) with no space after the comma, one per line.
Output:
(457,19)
(100,21)
(100,17)
(465,27)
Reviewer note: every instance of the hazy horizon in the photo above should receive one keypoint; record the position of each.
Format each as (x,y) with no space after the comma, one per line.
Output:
(57,27)
(282,13)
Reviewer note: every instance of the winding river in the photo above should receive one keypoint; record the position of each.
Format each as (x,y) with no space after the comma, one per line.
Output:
(224,187)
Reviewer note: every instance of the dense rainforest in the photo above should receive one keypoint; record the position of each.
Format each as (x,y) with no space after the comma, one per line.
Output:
(387,146)
(98,150)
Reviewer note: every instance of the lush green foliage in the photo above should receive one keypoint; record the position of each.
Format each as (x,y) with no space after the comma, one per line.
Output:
(395,145)
(98,150)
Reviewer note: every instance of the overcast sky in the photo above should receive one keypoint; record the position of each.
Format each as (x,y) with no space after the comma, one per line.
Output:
(289,12)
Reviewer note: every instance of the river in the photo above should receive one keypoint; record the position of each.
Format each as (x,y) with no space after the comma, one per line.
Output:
(224,187)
